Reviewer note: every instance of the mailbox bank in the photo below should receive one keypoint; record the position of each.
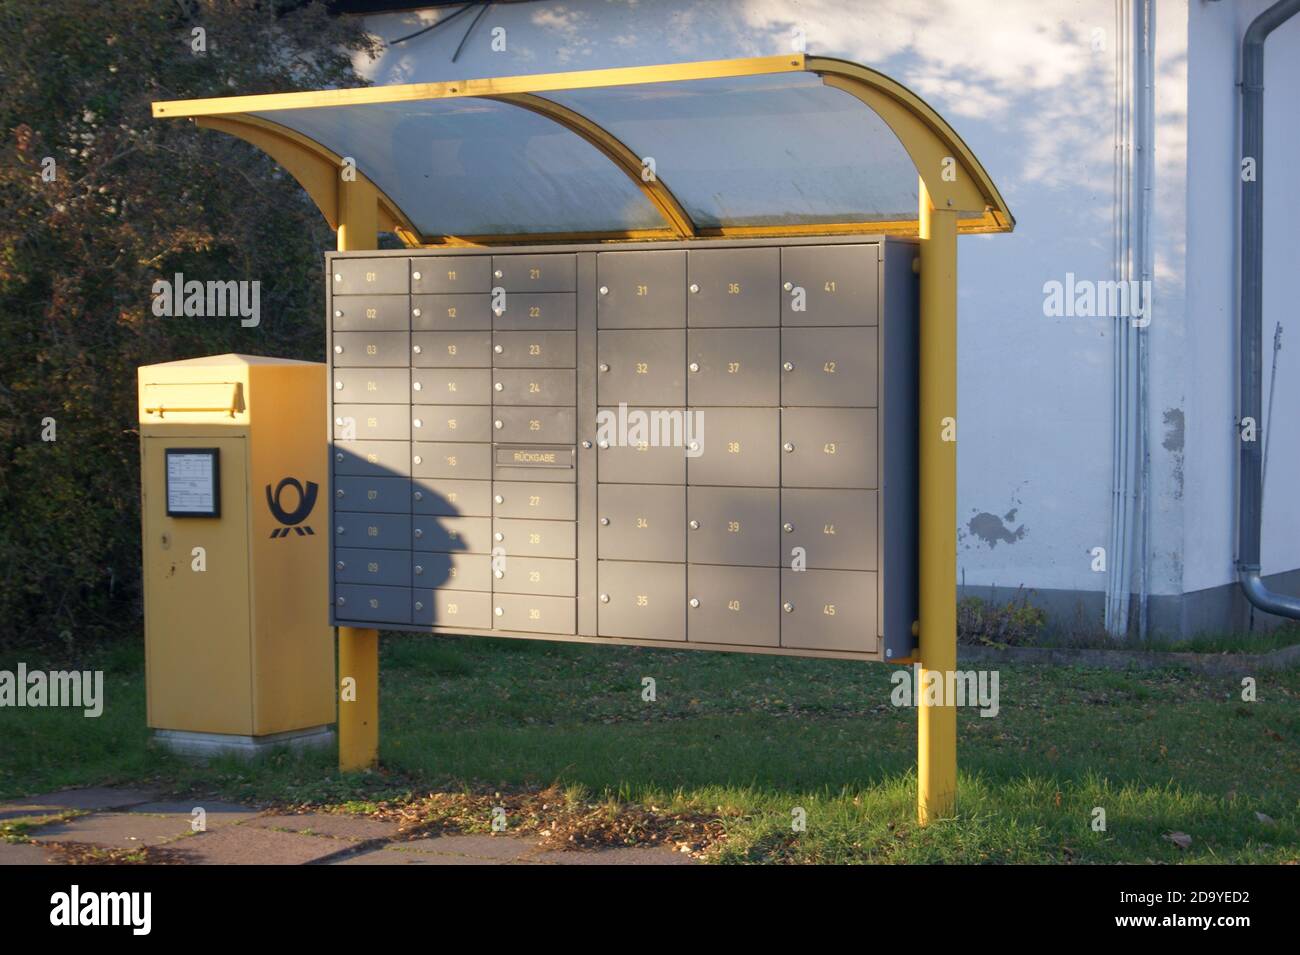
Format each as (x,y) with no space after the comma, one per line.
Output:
(475,490)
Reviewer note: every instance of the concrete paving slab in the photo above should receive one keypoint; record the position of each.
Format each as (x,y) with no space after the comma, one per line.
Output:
(396,855)
(24,854)
(121,830)
(218,813)
(95,799)
(498,848)
(655,855)
(249,845)
(328,824)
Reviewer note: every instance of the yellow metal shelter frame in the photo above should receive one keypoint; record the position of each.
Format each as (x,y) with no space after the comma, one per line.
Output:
(956,196)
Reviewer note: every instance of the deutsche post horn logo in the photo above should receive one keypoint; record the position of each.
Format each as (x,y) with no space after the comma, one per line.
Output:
(291,519)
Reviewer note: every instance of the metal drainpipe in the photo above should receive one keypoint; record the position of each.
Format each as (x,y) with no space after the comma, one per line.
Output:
(1249,506)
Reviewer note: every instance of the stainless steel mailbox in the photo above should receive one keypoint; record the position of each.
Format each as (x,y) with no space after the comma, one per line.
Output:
(708,444)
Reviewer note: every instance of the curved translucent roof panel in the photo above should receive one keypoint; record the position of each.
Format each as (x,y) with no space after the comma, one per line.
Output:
(767,146)
(779,149)
(478,167)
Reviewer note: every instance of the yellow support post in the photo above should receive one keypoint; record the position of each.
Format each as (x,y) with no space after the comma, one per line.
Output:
(358,209)
(936,768)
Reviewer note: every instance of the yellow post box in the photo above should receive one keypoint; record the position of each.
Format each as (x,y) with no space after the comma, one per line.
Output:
(233,464)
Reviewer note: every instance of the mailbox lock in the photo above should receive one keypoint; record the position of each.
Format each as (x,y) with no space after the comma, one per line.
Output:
(419,569)
(604,367)
(788,286)
(418,422)
(498,574)
(694,446)
(787,447)
(417,349)
(416,276)
(586,444)
(417,386)
(338,277)
(500,499)
(498,312)
(695,525)
(415,313)
(695,601)
(788,366)
(604,598)
(340,531)
(339,492)
(419,495)
(340,565)
(340,601)
(338,386)
(604,290)
(419,532)
(788,527)
(338,349)
(338,313)
(339,422)
(694,288)
(603,445)
(694,366)
(498,611)
(499,387)
(498,349)
(498,424)
(498,273)
(498,536)
(339,456)
(604,521)
(419,605)
(417,459)
(787,607)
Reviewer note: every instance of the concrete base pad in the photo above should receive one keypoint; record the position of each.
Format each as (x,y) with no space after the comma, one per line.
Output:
(207,745)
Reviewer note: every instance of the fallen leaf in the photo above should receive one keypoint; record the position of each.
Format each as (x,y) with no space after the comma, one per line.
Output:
(1266,819)
(1181,839)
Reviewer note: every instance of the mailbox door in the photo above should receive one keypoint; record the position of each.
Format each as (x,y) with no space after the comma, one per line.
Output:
(829,610)
(829,367)
(733,366)
(383,495)
(739,605)
(543,425)
(370,277)
(356,565)
(470,534)
(452,571)
(445,607)
(642,522)
(451,498)
(534,349)
(740,448)
(828,447)
(535,500)
(537,311)
(549,272)
(733,525)
(523,538)
(208,688)
(641,367)
(370,313)
(542,386)
(545,576)
(372,422)
(836,529)
(641,462)
(462,386)
(470,462)
(381,531)
(641,289)
(733,287)
(451,313)
(372,385)
(839,285)
(372,349)
(451,422)
(370,603)
(641,600)
(373,458)
(534,614)
(450,273)
(451,349)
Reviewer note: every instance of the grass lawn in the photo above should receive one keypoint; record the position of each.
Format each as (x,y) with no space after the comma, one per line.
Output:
(734,744)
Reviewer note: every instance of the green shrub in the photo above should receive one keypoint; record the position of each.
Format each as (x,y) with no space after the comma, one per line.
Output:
(1016,623)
